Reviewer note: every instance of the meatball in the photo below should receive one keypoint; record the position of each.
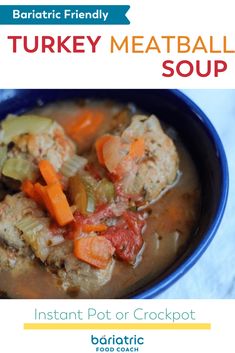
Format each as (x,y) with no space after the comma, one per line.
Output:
(143,158)
(25,227)
(74,273)
(12,210)
(159,165)
(25,230)
(52,145)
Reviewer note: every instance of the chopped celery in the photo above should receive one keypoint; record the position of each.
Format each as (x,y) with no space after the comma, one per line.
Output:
(72,165)
(19,169)
(24,124)
(90,198)
(35,232)
(30,225)
(3,156)
(81,194)
(104,191)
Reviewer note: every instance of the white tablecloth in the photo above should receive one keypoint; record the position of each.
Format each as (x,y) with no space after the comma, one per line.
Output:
(213,276)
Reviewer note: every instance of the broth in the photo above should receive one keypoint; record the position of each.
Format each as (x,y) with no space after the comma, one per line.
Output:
(171,223)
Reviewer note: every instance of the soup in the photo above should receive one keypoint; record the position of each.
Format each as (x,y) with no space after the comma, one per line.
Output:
(128,190)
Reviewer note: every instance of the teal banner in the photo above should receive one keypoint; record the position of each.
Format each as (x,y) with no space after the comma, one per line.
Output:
(64,15)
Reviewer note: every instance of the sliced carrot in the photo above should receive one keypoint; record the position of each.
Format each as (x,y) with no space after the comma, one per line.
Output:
(96,251)
(87,228)
(39,188)
(99,144)
(137,148)
(29,190)
(41,192)
(53,198)
(85,124)
(58,204)
(48,172)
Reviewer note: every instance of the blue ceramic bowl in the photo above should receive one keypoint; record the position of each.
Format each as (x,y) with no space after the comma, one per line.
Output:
(197,133)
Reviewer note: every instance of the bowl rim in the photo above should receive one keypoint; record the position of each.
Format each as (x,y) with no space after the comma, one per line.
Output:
(156,288)
(188,263)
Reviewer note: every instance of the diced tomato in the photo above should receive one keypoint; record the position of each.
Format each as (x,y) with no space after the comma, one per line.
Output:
(93,171)
(78,217)
(126,236)
(127,244)
(103,213)
(135,223)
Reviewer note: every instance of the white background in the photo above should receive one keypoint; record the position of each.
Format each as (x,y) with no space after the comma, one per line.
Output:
(218,339)
(121,70)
